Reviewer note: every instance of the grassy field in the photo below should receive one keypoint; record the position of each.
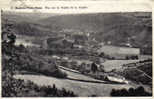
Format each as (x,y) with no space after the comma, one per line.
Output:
(78,84)
(116,64)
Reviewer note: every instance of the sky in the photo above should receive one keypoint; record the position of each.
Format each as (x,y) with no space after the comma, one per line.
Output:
(82,6)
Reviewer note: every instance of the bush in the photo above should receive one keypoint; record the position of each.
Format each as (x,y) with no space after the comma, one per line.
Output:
(18,58)
(58,73)
(18,88)
(139,91)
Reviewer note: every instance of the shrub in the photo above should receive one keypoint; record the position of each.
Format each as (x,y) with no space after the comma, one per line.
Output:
(139,91)
(18,88)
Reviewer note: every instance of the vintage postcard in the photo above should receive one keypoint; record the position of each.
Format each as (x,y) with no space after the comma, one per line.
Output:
(69,48)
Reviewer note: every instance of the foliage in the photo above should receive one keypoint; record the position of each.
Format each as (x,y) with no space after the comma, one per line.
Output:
(12,87)
(139,91)
(94,67)
(18,58)
(131,57)
(140,72)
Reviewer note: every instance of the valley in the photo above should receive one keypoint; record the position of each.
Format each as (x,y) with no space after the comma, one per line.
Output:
(83,55)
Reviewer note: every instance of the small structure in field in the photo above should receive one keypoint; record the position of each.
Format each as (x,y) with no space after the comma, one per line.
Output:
(116,80)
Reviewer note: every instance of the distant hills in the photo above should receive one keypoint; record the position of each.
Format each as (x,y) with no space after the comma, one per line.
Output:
(116,28)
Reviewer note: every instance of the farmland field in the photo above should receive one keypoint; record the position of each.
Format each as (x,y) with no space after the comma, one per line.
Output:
(116,64)
(81,88)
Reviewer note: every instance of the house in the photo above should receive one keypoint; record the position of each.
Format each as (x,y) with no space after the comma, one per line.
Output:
(116,80)
(77,46)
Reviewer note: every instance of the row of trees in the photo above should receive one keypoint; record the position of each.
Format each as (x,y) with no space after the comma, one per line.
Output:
(127,57)
(139,91)
(131,57)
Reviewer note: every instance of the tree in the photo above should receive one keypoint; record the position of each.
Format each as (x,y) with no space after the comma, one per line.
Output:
(8,37)
(12,38)
(139,91)
(94,67)
(127,57)
(102,54)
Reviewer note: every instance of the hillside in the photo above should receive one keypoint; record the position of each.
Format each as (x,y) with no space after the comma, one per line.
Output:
(59,53)
(117,28)
(141,72)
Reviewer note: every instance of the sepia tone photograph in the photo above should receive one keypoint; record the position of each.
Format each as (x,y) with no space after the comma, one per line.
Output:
(76,55)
